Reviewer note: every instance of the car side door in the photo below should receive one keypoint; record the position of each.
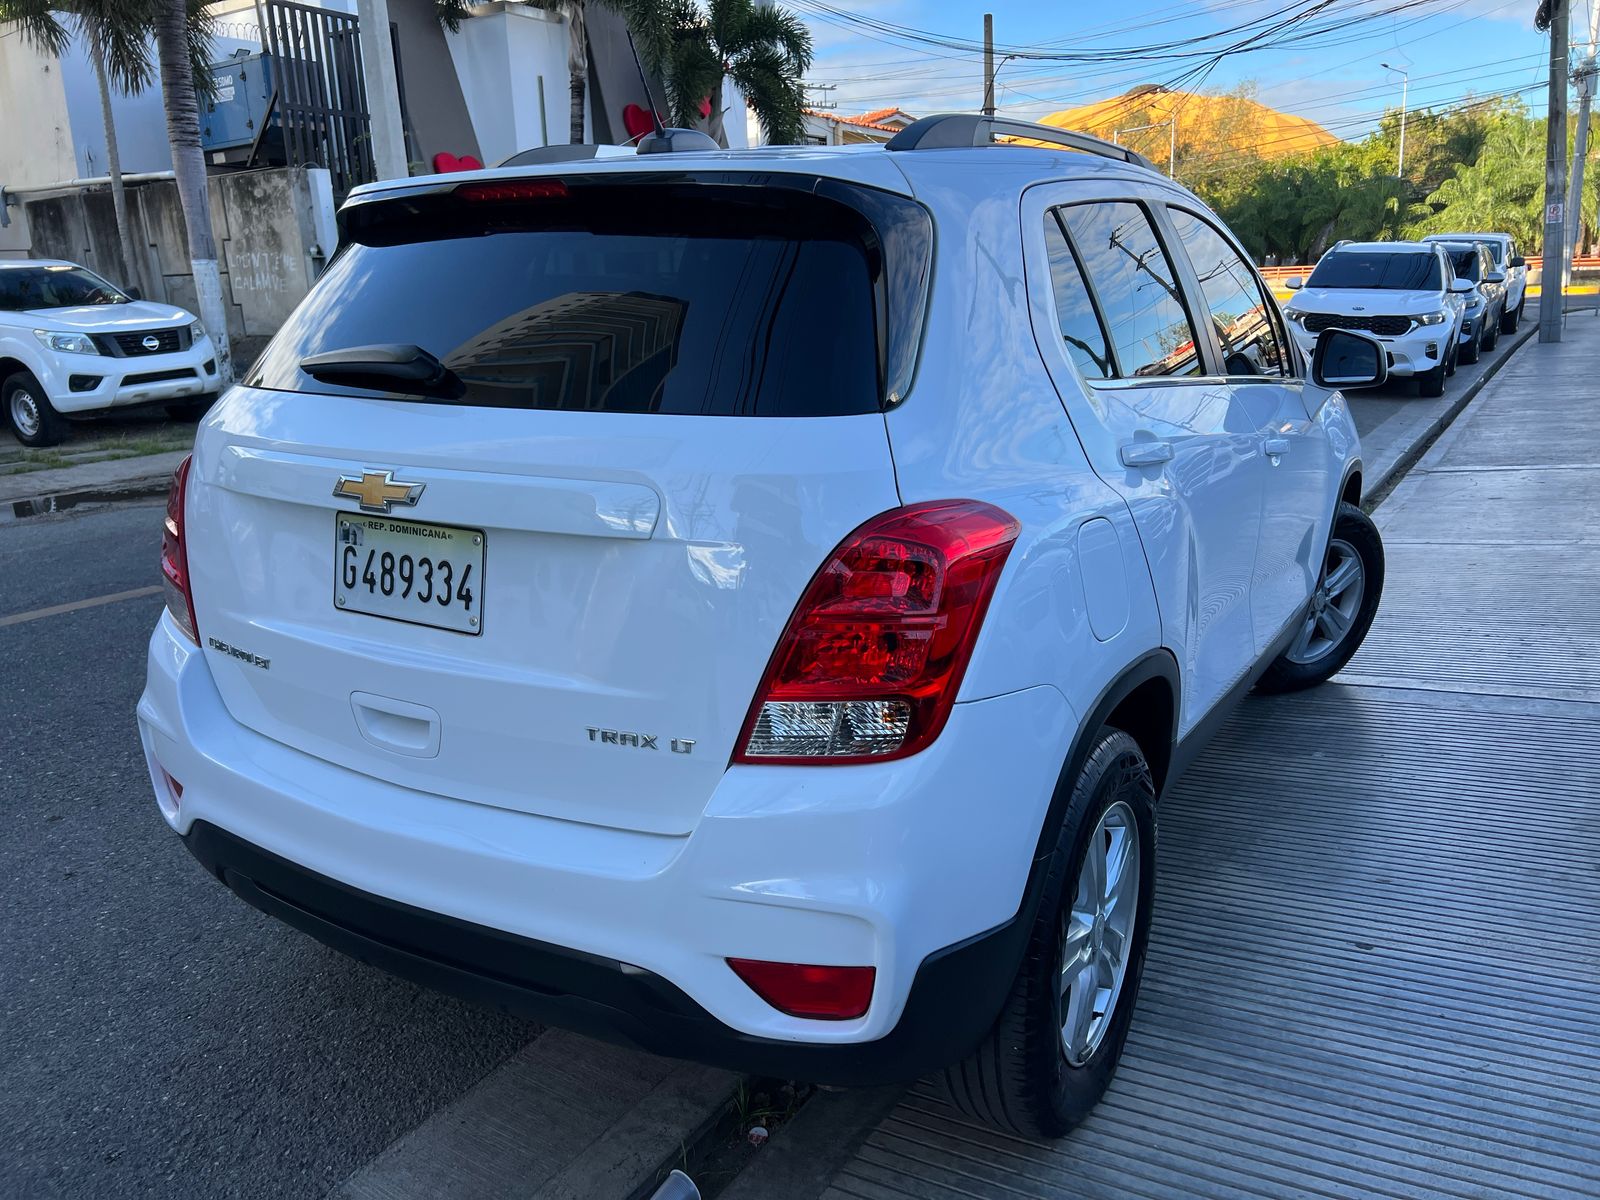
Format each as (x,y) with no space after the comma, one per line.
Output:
(1142,389)
(1259,367)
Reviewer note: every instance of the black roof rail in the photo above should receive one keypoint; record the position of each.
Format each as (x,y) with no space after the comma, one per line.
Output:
(950,131)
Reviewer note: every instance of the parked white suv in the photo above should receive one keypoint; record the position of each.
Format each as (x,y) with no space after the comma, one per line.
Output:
(1403,293)
(748,604)
(72,344)
(1503,249)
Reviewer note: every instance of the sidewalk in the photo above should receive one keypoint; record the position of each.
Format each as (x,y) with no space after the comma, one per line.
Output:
(1373,969)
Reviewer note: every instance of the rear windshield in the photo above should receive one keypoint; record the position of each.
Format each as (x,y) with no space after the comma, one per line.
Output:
(1413,272)
(651,298)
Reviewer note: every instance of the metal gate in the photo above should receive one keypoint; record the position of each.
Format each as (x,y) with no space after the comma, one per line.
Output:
(321,97)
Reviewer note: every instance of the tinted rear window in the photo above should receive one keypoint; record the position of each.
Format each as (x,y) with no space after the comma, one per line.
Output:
(659,299)
(1375,269)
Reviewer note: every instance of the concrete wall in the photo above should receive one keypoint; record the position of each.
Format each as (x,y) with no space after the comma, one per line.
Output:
(271,225)
(35,127)
(512,62)
(433,93)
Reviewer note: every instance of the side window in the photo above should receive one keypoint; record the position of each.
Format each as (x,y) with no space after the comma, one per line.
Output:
(1140,305)
(1075,313)
(1240,311)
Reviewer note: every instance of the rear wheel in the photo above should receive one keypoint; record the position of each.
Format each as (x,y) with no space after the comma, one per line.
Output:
(29,412)
(1056,1045)
(1341,608)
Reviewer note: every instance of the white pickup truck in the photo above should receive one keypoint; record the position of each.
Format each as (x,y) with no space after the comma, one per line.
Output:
(73,344)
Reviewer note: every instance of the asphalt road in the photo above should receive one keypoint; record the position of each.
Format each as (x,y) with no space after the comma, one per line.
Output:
(157,1036)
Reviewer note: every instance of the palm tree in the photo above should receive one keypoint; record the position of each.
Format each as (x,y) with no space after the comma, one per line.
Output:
(181,43)
(572,15)
(116,50)
(763,49)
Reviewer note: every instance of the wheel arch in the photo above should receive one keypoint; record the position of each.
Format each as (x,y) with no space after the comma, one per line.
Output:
(10,366)
(1350,489)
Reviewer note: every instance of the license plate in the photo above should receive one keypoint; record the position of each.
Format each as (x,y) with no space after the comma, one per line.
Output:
(409,571)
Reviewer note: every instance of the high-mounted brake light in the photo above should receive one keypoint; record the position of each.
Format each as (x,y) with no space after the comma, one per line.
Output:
(820,993)
(873,656)
(516,189)
(175,555)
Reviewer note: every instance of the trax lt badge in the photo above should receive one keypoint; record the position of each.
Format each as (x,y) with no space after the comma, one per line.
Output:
(377,491)
(641,741)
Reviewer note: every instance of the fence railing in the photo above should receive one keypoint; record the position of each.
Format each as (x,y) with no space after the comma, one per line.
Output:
(321,94)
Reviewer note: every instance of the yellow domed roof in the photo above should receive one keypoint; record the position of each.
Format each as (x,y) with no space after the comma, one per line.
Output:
(1213,122)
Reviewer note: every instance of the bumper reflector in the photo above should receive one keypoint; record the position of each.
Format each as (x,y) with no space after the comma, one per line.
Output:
(819,993)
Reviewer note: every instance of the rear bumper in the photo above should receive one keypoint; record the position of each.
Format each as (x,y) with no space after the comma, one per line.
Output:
(604,997)
(916,868)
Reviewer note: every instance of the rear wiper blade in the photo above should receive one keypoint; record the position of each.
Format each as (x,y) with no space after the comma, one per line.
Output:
(394,367)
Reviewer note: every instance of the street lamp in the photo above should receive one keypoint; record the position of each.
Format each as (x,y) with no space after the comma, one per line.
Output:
(1405,85)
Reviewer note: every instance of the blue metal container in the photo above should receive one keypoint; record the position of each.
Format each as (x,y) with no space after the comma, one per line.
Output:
(234,115)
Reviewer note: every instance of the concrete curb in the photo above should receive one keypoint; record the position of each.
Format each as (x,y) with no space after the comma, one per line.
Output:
(34,492)
(1397,460)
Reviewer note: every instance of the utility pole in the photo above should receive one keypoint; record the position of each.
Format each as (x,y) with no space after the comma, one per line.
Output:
(383,89)
(1552,301)
(1405,88)
(988,64)
(1585,75)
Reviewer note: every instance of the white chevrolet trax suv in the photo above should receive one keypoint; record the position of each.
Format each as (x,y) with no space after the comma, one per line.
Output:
(749,604)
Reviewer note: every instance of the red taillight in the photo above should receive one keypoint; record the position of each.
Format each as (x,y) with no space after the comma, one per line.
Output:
(516,189)
(820,993)
(175,556)
(873,656)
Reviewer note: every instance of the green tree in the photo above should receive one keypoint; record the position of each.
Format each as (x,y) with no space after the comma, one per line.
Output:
(763,49)
(1503,187)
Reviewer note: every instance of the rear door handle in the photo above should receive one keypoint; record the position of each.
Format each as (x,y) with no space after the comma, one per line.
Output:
(1146,454)
(1276,446)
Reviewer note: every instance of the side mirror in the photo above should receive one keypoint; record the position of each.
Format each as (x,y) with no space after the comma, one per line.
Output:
(1497,277)
(1344,359)
(1463,287)
(1518,261)
(1294,283)
(133,293)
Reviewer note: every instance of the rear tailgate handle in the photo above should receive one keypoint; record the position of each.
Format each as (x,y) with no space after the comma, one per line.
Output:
(396,725)
(1146,454)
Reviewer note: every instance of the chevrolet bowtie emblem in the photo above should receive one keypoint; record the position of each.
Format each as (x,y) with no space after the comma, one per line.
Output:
(377,491)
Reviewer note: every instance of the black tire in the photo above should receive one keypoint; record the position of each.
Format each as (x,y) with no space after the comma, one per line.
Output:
(1491,334)
(191,410)
(1511,316)
(1352,528)
(1469,349)
(1020,1078)
(1431,383)
(29,413)
(1450,361)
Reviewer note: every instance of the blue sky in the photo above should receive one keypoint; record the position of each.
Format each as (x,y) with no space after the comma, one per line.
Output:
(1450,47)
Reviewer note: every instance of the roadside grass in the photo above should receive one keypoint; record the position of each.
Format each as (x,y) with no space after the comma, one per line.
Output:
(98,447)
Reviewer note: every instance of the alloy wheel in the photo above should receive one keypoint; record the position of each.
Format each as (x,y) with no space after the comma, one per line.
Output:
(26,418)
(1334,605)
(1098,939)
